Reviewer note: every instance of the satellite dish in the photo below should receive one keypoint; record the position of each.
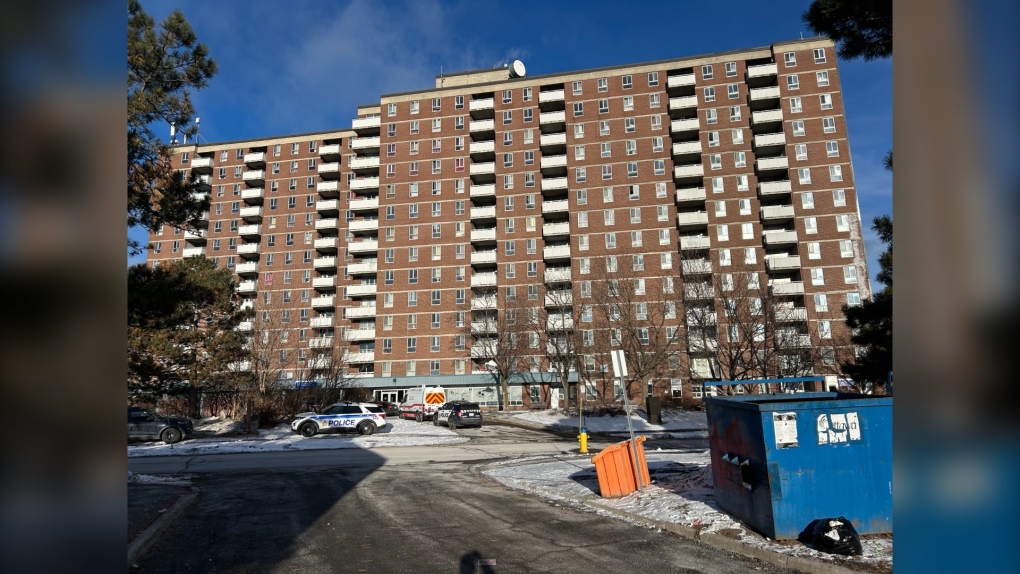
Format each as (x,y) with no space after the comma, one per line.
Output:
(517,69)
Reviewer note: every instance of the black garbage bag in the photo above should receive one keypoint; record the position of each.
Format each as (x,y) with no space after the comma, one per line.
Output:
(833,535)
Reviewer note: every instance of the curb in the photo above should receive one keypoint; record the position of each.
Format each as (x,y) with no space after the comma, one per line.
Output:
(144,540)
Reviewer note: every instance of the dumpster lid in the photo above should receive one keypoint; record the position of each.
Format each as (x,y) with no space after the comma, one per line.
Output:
(798,401)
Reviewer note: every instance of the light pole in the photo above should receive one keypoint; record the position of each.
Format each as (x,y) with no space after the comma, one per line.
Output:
(493,369)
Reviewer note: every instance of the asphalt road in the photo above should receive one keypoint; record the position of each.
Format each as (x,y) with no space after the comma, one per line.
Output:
(416,509)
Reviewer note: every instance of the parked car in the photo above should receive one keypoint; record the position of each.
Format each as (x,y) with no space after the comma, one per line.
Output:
(391,409)
(362,417)
(142,424)
(459,414)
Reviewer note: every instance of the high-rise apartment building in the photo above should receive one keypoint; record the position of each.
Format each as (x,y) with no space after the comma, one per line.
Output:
(710,200)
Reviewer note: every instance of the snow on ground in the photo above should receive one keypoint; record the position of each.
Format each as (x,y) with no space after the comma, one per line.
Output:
(693,424)
(176,480)
(396,433)
(681,493)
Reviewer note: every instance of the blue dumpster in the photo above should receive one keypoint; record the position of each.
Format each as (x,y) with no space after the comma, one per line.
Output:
(782,461)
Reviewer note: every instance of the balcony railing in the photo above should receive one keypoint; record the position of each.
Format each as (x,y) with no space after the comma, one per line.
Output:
(323,301)
(761,70)
(326,224)
(552,139)
(681,148)
(369,142)
(246,268)
(254,175)
(556,252)
(483,168)
(696,266)
(324,262)
(774,187)
(781,263)
(483,234)
(486,212)
(552,118)
(554,183)
(484,190)
(780,237)
(324,282)
(683,103)
(323,321)
(366,246)
(364,183)
(550,96)
(362,290)
(363,225)
(483,303)
(251,212)
(482,147)
(766,163)
(680,81)
(774,212)
(694,242)
(363,268)
(483,280)
(248,249)
(481,104)
(553,161)
(327,205)
(685,125)
(556,206)
(692,218)
(365,123)
(690,170)
(557,275)
(363,312)
(766,116)
(326,243)
(255,158)
(246,287)
(330,150)
(369,204)
(769,93)
(552,229)
(686,194)
(483,256)
(482,126)
(193,251)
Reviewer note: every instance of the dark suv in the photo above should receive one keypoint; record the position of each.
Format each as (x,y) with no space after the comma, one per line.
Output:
(144,425)
(459,414)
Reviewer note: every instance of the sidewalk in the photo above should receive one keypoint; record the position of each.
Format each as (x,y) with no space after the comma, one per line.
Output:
(676,423)
(153,504)
(680,500)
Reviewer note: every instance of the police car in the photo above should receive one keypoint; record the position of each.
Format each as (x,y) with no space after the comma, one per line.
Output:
(362,417)
(458,414)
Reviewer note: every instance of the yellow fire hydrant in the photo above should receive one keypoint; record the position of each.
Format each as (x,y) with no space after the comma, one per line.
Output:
(583,437)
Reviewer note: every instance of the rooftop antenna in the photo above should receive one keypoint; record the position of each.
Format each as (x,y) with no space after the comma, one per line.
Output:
(173,134)
(441,78)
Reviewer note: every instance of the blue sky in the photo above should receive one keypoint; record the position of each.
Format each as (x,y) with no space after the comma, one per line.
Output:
(299,66)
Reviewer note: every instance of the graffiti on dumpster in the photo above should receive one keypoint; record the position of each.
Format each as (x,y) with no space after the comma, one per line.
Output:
(838,428)
(785,425)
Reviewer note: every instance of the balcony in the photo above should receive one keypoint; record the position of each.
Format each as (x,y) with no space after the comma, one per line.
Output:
(354,335)
(483,304)
(364,183)
(482,126)
(248,249)
(552,140)
(550,96)
(766,117)
(251,213)
(255,159)
(553,183)
(362,312)
(204,182)
(772,163)
(326,282)
(557,275)
(367,204)
(695,318)
(361,125)
(202,164)
(483,352)
(323,301)
(256,176)
(777,213)
(761,70)
(482,147)
(361,357)
(483,326)
(326,244)
(247,268)
(481,104)
(552,118)
(774,187)
(555,229)
(195,235)
(330,151)
(246,287)
(483,280)
(769,140)
(359,225)
(253,195)
(193,252)
(364,163)
(245,326)
(694,242)
(690,170)
(324,262)
(560,323)
(559,298)
(680,81)
(554,161)
(486,212)
(791,315)
(362,247)
(793,340)
(683,148)
(699,291)
(689,194)
(696,266)
(780,238)
(488,168)
(555,206)
(482,235)
(328,188)
(362,290)
(329,170)
(364,268)
(553,252)
(327,207)
(782,263)
(685,125)
(483,257)
(321,343)
(683,103)
(692,219)
(485,190)
(247,305)
(365,143)
(326,224)
(768,93)
(249,230)
(322,321)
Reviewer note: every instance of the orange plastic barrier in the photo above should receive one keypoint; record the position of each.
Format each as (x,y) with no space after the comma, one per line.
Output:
(615,468)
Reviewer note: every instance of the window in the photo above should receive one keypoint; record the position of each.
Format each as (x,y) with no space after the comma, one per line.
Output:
(735,114)
(580,174)
(713,139)
(824,330)
(829,125)
(723,232)
(628,125)
(659,165)
(709,94)
(414,107)
(715,160)
(843,223)
(835,173)
(739,159)
(804,175)
(717,185)
(582,197)
(795,106)
(527,94)
(798,128)
(813,250)
(582,219)
(742,184)
(706,72)
(579,152)
(789,59)
(611,240)
(747,229)
(578,108)
(720,208)
(821,303)
(711,116)
(800,151)
(838,197)
(628,103)
(853,299)
(529,115)
(817,277)
(751,257)
(603,106)
(628,82)
(654,100)
(576,88)
(825,101)
(603,128)
(657,144)
(607,171)
(724,257)
(792,83)
(832,149)
(508,117)
(807,200)
(822,78)
(636,238)
(732,91)
(819,54)
(850,274)
(810,225)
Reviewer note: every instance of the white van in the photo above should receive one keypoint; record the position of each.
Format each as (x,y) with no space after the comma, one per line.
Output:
(421,403)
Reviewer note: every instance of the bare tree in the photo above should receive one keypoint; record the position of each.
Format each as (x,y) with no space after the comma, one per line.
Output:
(556,329)
(331,367)
(499,331)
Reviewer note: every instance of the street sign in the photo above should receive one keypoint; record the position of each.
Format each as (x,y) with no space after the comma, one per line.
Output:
(619,364)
